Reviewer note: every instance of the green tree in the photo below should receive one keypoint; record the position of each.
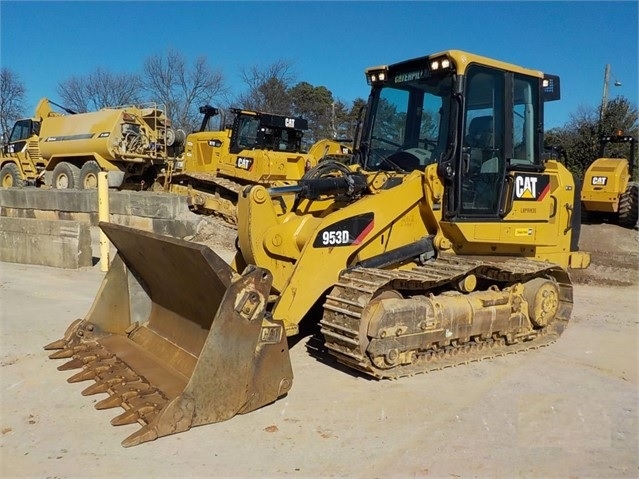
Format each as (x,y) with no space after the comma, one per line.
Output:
(580,136)
(348,122)
(12,93)
(316,104)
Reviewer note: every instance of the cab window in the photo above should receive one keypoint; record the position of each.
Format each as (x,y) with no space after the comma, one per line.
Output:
(409,130)
(526,96)
(22,130)
(248,129)
(484,158)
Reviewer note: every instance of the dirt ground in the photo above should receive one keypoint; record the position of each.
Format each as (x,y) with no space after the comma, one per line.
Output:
(567,411)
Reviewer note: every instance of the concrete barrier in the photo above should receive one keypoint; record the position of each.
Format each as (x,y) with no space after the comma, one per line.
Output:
(53,227)
(161,213)
(59,243)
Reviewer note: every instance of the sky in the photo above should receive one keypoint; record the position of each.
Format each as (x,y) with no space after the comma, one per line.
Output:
(327,43)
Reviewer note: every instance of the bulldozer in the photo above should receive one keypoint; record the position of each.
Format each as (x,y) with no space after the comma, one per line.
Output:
(450,239)
(608,190)
(249,147)
(68,150)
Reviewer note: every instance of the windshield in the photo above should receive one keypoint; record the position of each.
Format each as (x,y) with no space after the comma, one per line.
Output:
(409,120)
(21,130)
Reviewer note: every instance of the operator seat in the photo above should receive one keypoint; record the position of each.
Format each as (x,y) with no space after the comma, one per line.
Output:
(480,132)
(479,142)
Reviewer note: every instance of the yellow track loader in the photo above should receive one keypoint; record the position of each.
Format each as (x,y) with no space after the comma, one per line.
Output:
(449,241)
(249,148)
(608,190)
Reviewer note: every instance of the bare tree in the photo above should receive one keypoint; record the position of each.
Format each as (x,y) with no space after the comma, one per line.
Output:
(182,88)
(267,88)
(100,89)
(12,93)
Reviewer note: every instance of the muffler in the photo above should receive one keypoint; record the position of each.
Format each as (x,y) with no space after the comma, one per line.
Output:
(207,351)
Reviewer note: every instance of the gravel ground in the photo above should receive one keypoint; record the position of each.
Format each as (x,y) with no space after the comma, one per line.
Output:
(567,411)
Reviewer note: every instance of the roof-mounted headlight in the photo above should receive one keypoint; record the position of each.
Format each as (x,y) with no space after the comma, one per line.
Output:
(376,75)
(442,63)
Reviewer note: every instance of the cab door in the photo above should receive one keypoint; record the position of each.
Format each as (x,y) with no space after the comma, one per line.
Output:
(20,134)
(481,171)
(504,199)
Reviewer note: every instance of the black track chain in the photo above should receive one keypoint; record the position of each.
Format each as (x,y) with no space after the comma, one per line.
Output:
(357,287)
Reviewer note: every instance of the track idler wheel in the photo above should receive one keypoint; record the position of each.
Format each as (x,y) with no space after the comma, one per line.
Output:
(542,296)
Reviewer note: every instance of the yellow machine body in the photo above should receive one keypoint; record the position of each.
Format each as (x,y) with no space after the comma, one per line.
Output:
(442,244)
(286,244)
(604,182)
(608,190)
(126,142)
(253,148)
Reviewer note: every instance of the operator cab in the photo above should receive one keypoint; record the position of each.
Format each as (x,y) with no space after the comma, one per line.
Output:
(21,132)
(476,118)
(264,131)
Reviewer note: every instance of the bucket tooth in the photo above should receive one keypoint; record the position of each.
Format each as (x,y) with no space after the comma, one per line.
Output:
(103,369)
(133,389)
(79,350)
(62,354)
(97,388)
(59,344)
(88,357)
(76,363)
(146,434)
(94,355)
(148,412)
(108,403)
(147,403)
(127,417)
(117,375)
(82,376)
(105,384)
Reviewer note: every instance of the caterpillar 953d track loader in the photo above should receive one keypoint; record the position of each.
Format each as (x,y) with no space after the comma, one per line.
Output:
(608,190)
(448,242)
(248,148)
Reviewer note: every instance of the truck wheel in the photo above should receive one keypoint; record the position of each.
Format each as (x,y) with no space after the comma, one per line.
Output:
(89,175)
(10,176)
(65,176)
(629,206)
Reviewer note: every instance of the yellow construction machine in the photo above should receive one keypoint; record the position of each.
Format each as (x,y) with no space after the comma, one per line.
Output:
(608,190)
(130,143)
(248,147)
(449,241)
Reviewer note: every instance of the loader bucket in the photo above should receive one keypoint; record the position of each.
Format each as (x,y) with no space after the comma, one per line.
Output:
(206,352)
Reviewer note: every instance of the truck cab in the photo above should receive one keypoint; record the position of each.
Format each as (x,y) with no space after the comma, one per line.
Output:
(21,162)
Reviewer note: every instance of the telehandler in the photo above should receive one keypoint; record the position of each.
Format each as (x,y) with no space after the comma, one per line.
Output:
(608,189)
(449,241)
(249,147)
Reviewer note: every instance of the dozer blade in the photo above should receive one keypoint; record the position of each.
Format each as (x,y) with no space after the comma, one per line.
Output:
(206,352)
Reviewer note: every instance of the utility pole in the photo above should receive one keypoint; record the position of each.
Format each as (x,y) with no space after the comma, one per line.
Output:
(604,97)
(333,120)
